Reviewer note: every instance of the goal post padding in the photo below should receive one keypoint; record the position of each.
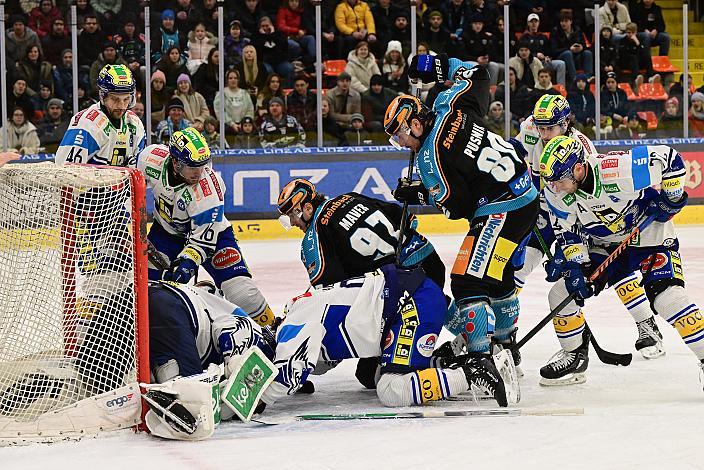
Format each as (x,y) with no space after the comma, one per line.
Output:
(73,300)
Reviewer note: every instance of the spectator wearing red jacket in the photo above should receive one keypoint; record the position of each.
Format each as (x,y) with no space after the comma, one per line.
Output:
(42,17)
(289,21)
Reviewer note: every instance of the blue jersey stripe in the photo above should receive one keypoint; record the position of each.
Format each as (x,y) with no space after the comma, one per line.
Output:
(80,138)
(640,168)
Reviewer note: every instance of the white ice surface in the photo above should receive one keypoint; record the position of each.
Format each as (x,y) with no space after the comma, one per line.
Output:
(647,415)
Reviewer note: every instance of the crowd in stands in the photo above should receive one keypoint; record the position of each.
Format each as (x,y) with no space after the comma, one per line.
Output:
(269,61)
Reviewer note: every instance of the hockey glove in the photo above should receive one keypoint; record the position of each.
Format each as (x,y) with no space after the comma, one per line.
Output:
(411,191)
(182,270)
(555,266)
(663,208)
(429,68)
(518,146)
(576,282)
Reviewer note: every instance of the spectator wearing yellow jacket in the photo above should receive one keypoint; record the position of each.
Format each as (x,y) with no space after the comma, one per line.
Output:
(354,20)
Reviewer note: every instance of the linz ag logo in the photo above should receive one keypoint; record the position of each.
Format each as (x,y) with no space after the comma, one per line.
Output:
(119,402)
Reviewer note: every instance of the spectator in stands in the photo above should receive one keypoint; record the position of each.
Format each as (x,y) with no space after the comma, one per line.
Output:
(608,59)
(52,128)
(357,135)
(615,15)
(253,75)
(400,31)
(234,44)
(194,105)
(696,115)
(299,30)
(107,11)
(209,9)
(40,100)
(238,104)
(479,45)
(384,15)
(361,65)
(677,90)
(634,55)
(394,68)
(62,74)
(249,12)
(333,133)
(526,65)
(279,130)
(200,43)
(55,42)
(344,101)
(172,64)
(487,10)
(271,89)
(569,46)
(207,79)
(42,17)
(301,103)
(582,102)
(18,39)
(167,36)
(173,123)
(83,9)
(109,56)
(84,99)
(248,137)
(90,42)
(636,127)
(455,14)
(374,103)
(140,111)
(614,102)
(211,134)
(187,16)
(670,121)
(355,22)
(131,47)
(21,134)
(33,70)
(495,120)
(542,49)
(19,97)
(544,85)
(434,34)
(273,48)
(160,97)
(520,97)
(498,43)
(648,16)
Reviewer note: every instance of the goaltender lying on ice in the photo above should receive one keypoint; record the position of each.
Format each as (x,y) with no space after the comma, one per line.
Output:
(390,313)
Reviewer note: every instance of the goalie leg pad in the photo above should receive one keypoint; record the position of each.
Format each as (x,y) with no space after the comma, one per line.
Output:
(180,409)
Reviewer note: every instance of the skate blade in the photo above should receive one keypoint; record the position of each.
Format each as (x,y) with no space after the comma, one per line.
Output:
(572,379)
(652,352)
(507,370)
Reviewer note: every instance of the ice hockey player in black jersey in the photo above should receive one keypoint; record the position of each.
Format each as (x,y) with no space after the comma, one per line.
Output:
(468,173)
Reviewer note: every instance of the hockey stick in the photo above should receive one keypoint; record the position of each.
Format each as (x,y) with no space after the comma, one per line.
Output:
(428,414)
(593,277)
(607,357)
(159,260)
(404,213)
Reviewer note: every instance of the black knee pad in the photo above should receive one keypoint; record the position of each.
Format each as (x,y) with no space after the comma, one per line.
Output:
(653,289)
(366,371)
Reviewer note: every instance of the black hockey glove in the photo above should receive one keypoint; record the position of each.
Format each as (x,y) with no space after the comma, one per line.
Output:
(411,191)
(429,68)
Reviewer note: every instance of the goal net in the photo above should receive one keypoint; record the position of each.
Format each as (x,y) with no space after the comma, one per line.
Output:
(73,292)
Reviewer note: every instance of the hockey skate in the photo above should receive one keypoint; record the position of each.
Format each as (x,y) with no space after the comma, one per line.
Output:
(649,342)
(566,367)
(484,379)
(701,373)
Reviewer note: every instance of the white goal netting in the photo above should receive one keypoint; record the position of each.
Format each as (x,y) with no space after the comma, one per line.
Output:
(71,266)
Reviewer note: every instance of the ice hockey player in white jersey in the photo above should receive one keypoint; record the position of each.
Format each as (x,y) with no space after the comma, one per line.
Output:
(594,205)
(190,330)
(106,133)
(550,119)
(190,228)
(393,313)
